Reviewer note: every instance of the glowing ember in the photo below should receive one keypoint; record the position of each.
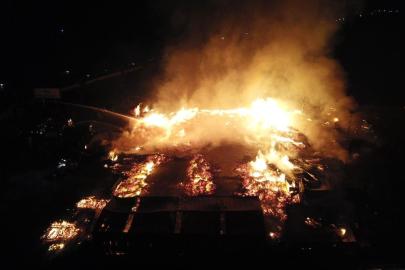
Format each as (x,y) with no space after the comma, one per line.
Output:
(311,222)
(56,246)
(135,184)
(275,235)
(200,177)
(61,231)
(91,203)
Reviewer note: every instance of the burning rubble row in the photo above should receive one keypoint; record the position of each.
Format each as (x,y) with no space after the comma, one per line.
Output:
(277,176)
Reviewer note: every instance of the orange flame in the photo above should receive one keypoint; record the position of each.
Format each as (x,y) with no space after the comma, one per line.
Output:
(136,182)
(91,203)
(200,177)
(61,231)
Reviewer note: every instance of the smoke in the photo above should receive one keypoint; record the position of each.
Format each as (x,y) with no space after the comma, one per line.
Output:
(227,54)
(233,52)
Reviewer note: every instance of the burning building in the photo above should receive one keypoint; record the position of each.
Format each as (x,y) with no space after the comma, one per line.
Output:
(220,192)
(235,136)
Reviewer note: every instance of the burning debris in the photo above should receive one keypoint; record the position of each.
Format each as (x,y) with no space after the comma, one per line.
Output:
(56,246)
(59,233)
(135,184)
(91,203)
(272,187)
(200,177)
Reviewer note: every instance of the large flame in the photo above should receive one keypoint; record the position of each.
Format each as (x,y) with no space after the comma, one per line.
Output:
(263,122)
(267,114)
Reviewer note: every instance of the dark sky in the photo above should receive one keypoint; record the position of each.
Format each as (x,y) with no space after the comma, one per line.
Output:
(371,52)
(42,39)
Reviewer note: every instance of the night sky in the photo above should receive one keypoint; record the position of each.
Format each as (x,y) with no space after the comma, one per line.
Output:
(42,40)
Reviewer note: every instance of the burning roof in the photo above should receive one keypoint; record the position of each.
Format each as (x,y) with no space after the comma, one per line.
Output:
(135,184)
(91,203)
(275,176)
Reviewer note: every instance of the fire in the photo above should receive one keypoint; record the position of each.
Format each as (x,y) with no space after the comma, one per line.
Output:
(262,122)
(56,246)
(135,184)
(268,183)
(137,110)
(140,111)
(113,155)
(156,120)
(259,165)
(268,114)
(91,203)
(200,177)
(61,231)
(265,113)
(162,120)
(270,176)
(288,140)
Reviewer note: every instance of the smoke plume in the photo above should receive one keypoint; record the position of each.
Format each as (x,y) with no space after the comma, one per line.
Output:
(227,54)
